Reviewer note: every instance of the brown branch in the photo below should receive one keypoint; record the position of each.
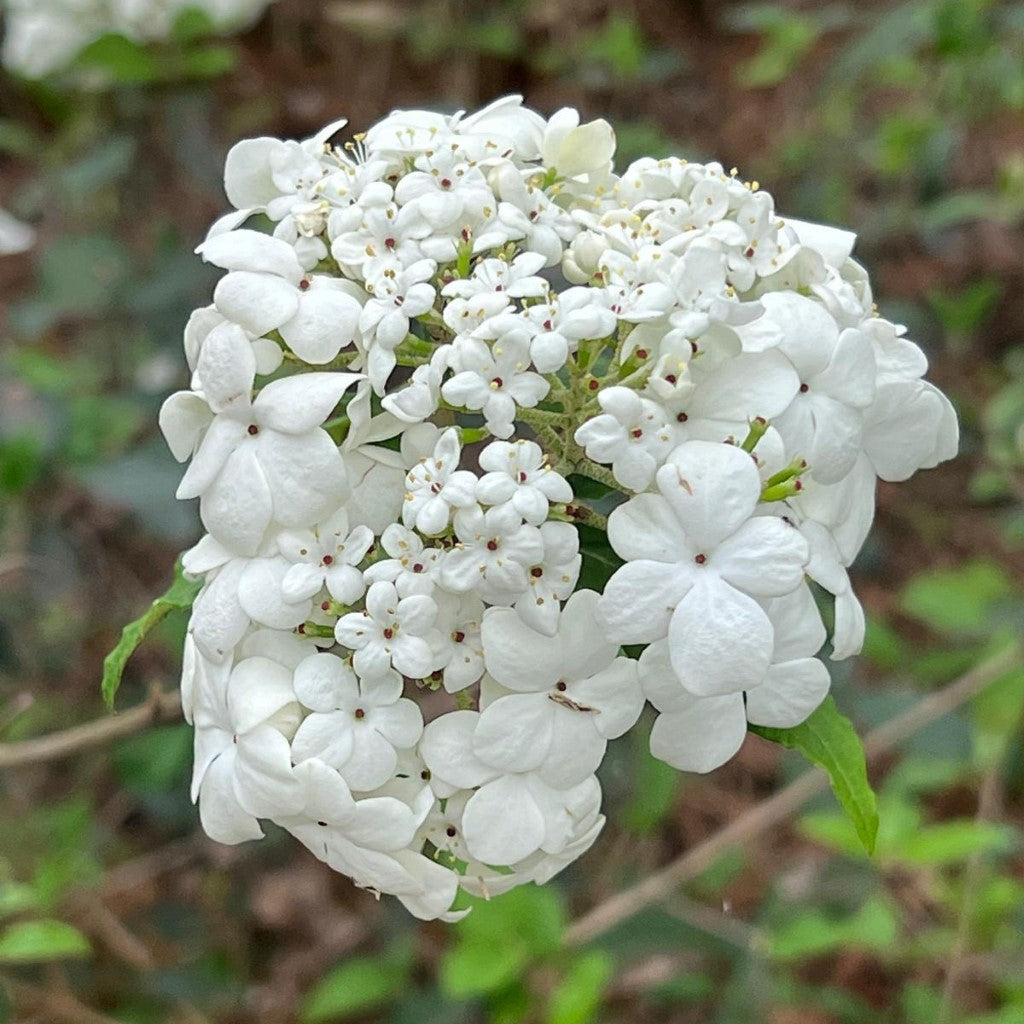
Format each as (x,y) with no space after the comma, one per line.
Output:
(158,708)
(663,883)
(54,1005)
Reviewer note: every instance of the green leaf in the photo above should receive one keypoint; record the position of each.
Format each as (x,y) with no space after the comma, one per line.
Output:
(45,939)
(654,788)
(356,986)
(499,939)
(957,600)
(577,998)
(828,739)
(948,842)
(813,933)
(180,595)
(122,58)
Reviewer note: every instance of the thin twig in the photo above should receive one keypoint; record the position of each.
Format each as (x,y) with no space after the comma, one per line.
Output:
(160,707)
(989,802)
(57,1007)
(658,886)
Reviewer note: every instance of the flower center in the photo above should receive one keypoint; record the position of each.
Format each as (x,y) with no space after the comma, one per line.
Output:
(389,633)
(492,545)
(701,559)
(360,713)
(253,429)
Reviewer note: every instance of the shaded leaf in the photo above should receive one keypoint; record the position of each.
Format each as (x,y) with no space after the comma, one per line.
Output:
(356,986)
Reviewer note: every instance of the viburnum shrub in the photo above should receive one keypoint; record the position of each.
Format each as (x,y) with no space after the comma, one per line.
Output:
(469,413)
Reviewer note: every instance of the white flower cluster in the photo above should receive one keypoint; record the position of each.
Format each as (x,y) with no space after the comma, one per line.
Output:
(390,657)
(44,36)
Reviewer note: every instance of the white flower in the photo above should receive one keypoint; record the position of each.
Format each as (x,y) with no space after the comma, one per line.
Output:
(435,486)
(255,461)
(398,295)
(552,578)
(493,555)
(495,379)
(824,422)
(571,694)
(412,568)
(577,150)
(695,562)
(631,434)
(243,768)
(357,725)
(391,632)
(518,474)
(459,647)
(326,556)
(698,734)
(267,289)
(15,236)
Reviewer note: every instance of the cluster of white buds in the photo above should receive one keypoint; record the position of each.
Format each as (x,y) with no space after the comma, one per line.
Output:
(42,37)
(452,316)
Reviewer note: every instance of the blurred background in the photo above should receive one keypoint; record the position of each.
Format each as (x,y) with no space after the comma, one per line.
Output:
(904,121)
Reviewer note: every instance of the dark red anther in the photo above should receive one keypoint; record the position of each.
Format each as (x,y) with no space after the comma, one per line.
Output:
(446,183)
(492,545)
(360,713)
(498,381)
(804,388)
(641,353)
(304,284)
(749,252)
(593,385)
(253,429)
(537,571)
(637,432)
(325,606)
(682,417)
(458,636)
(450,832)
(560,686)
(389,243)
(671,378)
(389,633)
(701,559)
(418,567)
(522,478)
(300,628)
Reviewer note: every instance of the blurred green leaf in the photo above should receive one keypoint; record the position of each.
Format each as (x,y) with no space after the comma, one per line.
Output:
(957,600)
(829,740)
(786,38)
(499,939)
(997,713)
(578,996)
(123,59)
(16,897)
(812,933)
(180,595)
(356,986)
(156,761)
(967,310)
(41,940)
(948,842)
(654,788)
(21,462)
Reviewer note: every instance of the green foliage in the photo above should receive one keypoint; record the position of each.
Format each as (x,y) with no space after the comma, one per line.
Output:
(41,940)
(812,933)
(829,740)
(498,940)
(156,762)
(179,596)
(358,985)
(960,600)
(578,996)
(786,39)
(654,788)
